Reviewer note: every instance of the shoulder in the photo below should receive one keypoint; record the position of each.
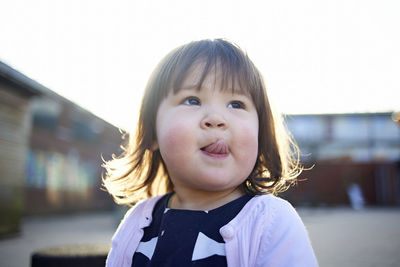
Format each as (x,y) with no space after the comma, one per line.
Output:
(138,216)
(129,232)
(283,234)
(280,217)
(279,210)
(269,229)
(265,208)
(143,207)
(263,216)
(270,201)
(273,213)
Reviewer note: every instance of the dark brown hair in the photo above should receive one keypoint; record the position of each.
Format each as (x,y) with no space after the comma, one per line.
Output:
(139,172)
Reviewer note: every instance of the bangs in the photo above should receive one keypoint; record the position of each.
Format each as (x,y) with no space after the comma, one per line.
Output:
(236,72)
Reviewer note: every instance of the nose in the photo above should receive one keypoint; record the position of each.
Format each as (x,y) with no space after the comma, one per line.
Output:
(211,121)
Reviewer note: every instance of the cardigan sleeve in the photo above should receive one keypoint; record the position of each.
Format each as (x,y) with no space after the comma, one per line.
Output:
(129,233)
(121,238)
(285,241)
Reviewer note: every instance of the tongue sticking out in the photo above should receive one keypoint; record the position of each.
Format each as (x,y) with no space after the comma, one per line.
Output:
(219,147)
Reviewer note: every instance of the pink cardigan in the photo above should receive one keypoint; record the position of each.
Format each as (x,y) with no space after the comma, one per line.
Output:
(266,232)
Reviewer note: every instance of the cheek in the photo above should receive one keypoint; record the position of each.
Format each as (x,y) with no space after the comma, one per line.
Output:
(248,143)
(173,140)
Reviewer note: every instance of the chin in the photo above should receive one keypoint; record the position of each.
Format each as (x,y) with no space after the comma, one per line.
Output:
(218,184)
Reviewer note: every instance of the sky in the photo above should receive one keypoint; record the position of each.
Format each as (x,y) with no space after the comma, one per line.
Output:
(317,56)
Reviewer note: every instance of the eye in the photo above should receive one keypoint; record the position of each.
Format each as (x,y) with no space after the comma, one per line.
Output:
(191,101)
(237,105)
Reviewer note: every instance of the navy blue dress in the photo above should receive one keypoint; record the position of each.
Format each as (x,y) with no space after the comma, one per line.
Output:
(186,237)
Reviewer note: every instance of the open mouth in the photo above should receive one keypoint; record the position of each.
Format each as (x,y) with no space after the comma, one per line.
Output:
(217,149)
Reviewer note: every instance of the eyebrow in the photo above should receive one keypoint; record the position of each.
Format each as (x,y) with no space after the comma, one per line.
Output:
(234,91)
(188,87)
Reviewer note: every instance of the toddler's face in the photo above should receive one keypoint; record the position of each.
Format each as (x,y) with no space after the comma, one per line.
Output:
(207,138)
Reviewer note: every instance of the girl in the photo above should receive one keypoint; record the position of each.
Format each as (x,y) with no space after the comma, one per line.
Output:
(208,156)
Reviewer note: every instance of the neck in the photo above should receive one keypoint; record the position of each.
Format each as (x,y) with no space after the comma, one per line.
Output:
(203,200)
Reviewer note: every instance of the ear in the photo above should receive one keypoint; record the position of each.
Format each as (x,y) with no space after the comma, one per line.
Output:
(154,146)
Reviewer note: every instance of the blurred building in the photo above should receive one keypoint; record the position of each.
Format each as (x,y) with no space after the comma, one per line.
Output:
(346,149)
(51,151)
(14,134)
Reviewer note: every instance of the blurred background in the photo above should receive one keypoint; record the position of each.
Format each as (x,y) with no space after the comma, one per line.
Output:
(71,79)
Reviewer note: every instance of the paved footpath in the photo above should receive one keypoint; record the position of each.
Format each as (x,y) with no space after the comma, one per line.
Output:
(340,236)
(346,238)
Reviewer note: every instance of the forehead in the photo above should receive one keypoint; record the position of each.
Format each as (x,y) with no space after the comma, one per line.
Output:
(217,76)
